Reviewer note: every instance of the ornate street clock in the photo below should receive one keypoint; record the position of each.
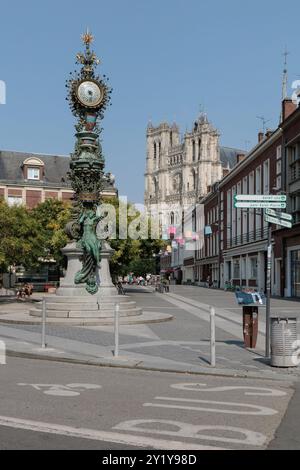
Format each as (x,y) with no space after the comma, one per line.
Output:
(90,93)
(88,97)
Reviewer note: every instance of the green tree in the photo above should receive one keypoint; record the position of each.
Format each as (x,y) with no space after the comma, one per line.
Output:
(52,216)
(132,255)
(21,241)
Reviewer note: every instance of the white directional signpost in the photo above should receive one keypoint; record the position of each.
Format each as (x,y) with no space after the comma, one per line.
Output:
(259,205)
(279,218)
(276,220)
(268,202)
(281,215)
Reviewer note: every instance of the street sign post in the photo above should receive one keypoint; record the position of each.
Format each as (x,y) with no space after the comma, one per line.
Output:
(259,205)
(278,221)
(268,298)
(268,202)
(280,215)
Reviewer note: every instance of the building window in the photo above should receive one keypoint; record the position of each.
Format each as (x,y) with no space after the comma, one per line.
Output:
(14,200)
(236,269)
(253,268)
(33,173)
(194,151)
(266,177)
(295,268)
(199,149)
(278,182)
(243,268)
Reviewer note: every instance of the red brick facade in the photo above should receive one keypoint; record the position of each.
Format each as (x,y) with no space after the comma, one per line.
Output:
(235,249)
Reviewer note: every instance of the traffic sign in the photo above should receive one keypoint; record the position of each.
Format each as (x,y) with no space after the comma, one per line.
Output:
(259,205)
(275,220)
(260,197)
(280,215)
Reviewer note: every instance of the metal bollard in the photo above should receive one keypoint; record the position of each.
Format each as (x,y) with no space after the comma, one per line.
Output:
(117,311)
(212,337)
(44,324)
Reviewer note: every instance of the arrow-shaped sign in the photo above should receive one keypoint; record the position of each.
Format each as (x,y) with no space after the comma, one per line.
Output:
(279,215)
(275,220)
(259,205)
(260,197)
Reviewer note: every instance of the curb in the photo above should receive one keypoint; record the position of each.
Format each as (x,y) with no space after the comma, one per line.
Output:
(229,373)
(108,322)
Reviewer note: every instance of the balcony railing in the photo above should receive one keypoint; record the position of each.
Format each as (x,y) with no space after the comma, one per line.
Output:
(249,237)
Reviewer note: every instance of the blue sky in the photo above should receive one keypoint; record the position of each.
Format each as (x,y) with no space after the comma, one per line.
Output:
(164,58)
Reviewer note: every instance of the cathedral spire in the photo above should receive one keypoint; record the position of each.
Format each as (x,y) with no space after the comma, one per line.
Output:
(284,94)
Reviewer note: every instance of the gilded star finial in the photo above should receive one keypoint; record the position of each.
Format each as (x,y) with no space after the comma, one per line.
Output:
(87,37)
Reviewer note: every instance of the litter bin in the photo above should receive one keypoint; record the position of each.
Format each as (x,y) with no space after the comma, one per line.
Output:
(250,325)
(283,341)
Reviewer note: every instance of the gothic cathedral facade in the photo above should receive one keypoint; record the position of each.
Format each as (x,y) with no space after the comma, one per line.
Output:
(180,171)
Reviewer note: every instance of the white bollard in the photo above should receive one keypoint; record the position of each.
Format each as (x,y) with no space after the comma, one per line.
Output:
(2,353)
(117,310)
(44,324)
(212,337)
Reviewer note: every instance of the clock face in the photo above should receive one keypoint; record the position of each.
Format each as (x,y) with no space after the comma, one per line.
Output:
(89,94)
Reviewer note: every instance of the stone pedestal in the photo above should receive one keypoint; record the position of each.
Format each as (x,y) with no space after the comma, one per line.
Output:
(73,301)
(67,285)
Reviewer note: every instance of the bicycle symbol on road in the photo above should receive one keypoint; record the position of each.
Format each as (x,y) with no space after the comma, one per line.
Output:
(69,390)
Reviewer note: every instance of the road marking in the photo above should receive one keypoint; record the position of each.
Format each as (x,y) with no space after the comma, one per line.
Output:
(63,390)
(194,431)
(98,435)
(260,391)
(260,410)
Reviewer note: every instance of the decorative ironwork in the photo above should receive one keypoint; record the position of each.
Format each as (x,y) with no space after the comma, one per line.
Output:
(88,96)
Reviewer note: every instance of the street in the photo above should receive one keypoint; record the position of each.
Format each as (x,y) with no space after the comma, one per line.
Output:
(49,405)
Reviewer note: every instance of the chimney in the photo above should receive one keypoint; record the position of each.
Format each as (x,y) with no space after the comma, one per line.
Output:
(226,171)
(240,157)
(260,137)
(288,107)
(269,133)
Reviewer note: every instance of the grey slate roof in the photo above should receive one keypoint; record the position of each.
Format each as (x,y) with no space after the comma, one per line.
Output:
(55,169)
(228,156)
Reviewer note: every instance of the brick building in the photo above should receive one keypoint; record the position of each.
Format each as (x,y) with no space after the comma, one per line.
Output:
(235,240)
(27,178)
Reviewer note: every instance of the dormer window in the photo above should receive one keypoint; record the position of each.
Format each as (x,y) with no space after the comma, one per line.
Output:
(33,169)
(33,173)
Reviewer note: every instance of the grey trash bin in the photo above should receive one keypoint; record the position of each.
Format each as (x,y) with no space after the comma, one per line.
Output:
(283,341)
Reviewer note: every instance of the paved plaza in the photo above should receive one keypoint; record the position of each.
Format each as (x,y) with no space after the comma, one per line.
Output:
(242,403)
(180,344)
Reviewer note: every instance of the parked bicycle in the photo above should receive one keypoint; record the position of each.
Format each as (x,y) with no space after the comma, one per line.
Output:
(120,289)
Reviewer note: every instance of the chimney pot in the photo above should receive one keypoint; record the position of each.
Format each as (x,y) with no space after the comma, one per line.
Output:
(260,136)
(288,107)
(240,157)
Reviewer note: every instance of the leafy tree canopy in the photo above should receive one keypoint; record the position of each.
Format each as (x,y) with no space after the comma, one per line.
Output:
(27,237)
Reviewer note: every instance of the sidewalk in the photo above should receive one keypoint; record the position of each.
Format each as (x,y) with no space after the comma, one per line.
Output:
(180,345)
